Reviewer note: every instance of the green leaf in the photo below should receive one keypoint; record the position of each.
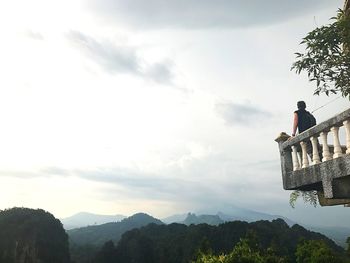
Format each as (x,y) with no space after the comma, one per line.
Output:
(327,60)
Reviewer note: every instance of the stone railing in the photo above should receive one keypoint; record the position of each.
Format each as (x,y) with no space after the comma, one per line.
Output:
(307,165)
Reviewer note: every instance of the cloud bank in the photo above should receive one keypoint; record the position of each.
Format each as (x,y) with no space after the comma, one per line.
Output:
(189,14)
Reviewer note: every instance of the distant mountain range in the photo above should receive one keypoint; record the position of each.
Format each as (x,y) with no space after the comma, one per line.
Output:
(219,218)
(229,213)
(192,219)
(232,213)
(83,219)
(98,229)
(337,234)
(222,214)
(97,235)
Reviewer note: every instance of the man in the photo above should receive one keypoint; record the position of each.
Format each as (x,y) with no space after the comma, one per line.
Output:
(303,119)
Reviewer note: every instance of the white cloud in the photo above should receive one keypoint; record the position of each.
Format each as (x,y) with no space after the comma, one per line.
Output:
(242,114)
(118,59)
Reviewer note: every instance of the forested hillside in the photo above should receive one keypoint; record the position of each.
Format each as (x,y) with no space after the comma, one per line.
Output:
(28,235)
(35,236)
(99,234)
(176,243)
(86,241)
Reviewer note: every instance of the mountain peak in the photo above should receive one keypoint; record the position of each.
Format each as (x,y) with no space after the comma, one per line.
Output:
(98,234)
(83,219)
(142,218)
(202,219)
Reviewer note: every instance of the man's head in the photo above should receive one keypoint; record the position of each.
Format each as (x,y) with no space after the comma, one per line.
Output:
(301,105)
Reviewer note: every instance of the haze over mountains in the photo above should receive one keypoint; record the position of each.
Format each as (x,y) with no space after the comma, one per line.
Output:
(101,228)
(99,234)
(29,235)
(225,213)
(141,237)
(229,213)
(88,219)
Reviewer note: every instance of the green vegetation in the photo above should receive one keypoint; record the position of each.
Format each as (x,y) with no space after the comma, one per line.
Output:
(308,251)
(28,235)
(308,197)
(85,242)
(107,253)
(97,235)
(242,253)
(327,60)
(262,241)
(317,251)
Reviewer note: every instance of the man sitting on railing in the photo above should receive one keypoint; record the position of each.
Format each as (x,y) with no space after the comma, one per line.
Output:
(303,119)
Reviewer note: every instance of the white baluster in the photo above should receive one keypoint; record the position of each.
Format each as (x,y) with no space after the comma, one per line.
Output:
(315,155)
(337,148)
(296,165)
(299,158)
(304,152)
(347,131)
(326,155)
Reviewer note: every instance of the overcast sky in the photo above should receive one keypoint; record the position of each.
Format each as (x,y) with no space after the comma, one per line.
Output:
(117,107)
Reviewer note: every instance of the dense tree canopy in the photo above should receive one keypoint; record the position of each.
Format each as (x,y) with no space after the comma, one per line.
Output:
(28,235)
(242,253)
(316,251)
(97,235)
(86,241)
(261,241)
(308,251)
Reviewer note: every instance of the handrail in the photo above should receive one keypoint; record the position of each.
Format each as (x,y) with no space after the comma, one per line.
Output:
(305,162)
(325,126)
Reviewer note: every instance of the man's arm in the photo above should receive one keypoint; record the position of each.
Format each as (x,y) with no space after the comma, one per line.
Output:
(295,124)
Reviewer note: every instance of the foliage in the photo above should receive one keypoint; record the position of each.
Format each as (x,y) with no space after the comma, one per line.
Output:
(106,254)
(97,235)
(308,197)
(241,253)
(177,243)
(85,242)
(83,253)
(28,235)
(326,59)
(316,251)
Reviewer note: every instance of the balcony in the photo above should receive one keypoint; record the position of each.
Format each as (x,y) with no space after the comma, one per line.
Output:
(310,165)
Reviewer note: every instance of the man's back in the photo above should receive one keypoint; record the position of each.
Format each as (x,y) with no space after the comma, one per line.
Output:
(305,120)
